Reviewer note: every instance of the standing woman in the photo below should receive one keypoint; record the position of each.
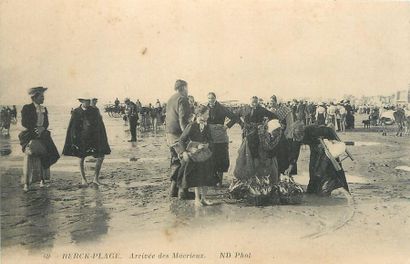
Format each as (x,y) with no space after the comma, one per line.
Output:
(86,137)
(220,141)
(195,173)
(253,116)
(256,159)
(37,145)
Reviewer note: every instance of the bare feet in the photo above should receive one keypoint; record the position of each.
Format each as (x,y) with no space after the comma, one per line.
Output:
(198,203)
(84,183)
(206,202)
(25,188)
(97,182)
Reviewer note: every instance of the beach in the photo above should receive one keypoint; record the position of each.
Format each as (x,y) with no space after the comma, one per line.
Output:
(131,219)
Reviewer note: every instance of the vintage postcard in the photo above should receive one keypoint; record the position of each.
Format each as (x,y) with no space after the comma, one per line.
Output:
(204,131)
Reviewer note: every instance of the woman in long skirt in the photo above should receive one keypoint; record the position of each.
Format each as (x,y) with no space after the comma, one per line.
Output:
(193,172)
(220,140)
(323,176)
(39,149)
(256,163)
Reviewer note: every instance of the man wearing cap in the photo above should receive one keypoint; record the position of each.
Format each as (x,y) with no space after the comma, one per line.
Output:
(132,116)
(38,147)
(310,113)
(349,115)
(86,137)
(177,118)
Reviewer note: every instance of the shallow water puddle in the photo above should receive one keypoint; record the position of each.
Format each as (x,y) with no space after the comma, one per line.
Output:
(361,143)
(304,178)
(405,168)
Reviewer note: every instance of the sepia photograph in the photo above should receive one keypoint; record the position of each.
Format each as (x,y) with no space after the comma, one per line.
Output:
(204,131)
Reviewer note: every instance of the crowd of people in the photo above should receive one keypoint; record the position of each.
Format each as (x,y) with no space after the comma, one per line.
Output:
(149,117)
(339,114)
(199,149)
(7,116)
(272,136)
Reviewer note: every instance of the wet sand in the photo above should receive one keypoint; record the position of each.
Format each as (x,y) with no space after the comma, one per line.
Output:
(131,214)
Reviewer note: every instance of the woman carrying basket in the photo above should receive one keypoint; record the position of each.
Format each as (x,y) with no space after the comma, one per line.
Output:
(195,154)
(38,147)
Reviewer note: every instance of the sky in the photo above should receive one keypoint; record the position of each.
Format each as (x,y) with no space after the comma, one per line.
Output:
(237,49)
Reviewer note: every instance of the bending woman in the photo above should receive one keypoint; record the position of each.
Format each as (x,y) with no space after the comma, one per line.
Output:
(323,176)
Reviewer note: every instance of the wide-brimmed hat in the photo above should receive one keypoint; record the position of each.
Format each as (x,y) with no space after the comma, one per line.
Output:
(36,90)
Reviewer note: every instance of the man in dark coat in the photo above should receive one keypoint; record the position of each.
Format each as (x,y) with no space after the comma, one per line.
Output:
(34,118)
(301,112)
(310,113)
(349,115)
(216,122)
(177,118)
(131,111)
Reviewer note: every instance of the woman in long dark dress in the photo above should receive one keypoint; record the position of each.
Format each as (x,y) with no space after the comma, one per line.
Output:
(34,118)
(220,140)
(194,173)
(253,116)
(86,136)
(323,176)
(256,162)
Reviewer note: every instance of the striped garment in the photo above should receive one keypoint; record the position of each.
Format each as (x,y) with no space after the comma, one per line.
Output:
(282,112)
